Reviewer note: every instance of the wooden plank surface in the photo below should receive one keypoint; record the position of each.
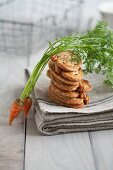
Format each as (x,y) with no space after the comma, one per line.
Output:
(60,152)
(77,151)
(11,137)
(102,149)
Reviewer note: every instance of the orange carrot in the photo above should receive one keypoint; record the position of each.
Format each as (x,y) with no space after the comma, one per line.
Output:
(16,108)
(27,105)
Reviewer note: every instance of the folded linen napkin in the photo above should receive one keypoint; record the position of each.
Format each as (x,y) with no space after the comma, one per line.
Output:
(52,119)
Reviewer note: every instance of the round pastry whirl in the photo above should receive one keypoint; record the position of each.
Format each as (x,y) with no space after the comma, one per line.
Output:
(65,62)
(63,93)
(60,85)
(58,100)
(73,75)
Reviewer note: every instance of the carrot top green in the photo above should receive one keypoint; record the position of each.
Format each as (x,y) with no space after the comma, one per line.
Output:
(95,48)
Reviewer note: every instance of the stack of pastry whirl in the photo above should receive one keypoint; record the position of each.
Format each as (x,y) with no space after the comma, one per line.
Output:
(67,85)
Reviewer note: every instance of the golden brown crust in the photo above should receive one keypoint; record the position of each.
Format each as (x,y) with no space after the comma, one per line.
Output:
(63,60)
(61,85)
(69,101)
(85,86)
(48,74)
(54,66)
(59,101)
(58,69)
(67,86)
(60,77)
(81,94)
(64,93)
(86,99)
(73,76)
(51,64)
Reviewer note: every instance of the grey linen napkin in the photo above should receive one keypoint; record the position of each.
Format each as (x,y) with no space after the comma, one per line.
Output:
(52,119)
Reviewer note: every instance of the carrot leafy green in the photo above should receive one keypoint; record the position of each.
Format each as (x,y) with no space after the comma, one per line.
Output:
(95,48)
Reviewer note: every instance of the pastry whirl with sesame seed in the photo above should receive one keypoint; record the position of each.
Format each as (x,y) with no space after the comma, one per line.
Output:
(67,86)
(63,60)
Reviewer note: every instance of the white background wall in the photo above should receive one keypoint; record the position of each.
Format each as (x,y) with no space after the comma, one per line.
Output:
(90,12)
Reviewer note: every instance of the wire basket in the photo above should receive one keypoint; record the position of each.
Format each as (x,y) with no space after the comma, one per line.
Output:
(27,25)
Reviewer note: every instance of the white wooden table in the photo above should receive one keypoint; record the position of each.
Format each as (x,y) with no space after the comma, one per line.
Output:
(77,151)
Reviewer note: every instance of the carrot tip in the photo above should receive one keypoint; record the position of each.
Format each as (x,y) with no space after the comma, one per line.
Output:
(10,121)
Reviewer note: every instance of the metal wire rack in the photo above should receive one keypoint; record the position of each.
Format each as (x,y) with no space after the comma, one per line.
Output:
(27,25)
